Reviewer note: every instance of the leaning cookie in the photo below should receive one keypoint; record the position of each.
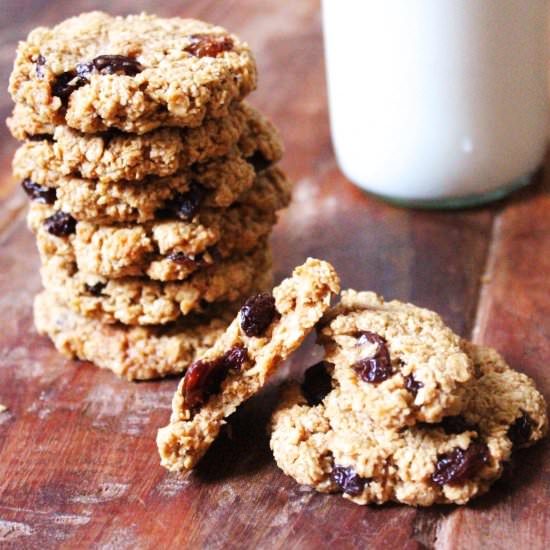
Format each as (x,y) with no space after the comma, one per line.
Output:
(267,329)
(135,73)
(141,301)
(319,439)
(401,361)
(136,353)
(164,250)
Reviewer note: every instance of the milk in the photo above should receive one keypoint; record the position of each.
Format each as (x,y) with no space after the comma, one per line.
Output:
(432,100)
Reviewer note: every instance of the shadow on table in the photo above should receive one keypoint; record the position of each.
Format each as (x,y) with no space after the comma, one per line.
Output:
(523,471)
(242,447)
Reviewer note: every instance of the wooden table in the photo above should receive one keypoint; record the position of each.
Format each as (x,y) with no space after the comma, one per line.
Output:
(78,463)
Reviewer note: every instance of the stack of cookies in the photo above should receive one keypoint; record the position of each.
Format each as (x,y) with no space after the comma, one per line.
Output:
(153,186)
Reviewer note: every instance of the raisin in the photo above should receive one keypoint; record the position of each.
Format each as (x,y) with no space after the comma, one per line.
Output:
(236,356)
(163,213)
(460,465)
(40,62)
(208,45)
(109,64)
(198,260)
(38,193)
(453,425)
(186,205)
(258,313)
(95,289)
(181,258)
(317,383)
(412,384)
(60,224)
(520,431)
(348,481)
(41,137)
(65,84)
(377,368)
(259,161)
(204,378)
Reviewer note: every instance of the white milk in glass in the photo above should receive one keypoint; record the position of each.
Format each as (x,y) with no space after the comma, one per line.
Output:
(437,102)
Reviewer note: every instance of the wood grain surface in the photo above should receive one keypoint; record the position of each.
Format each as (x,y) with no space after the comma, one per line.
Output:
(78,463)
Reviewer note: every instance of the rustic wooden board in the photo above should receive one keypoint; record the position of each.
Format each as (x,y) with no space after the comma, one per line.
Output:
(78,464)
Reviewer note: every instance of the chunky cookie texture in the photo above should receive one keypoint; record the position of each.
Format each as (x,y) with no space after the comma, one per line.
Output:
(24,124)
(136,353)
(334,448)
(167,250)
(399,361)
(217,182)
(114,156)
(140,301)
(239,365)
(94,72)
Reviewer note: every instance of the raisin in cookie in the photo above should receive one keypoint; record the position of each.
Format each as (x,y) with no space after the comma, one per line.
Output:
(141,301)
(114,156)
(136,353)
(267,329)
(401,361)
(165,250)
(325,443)
(135,73)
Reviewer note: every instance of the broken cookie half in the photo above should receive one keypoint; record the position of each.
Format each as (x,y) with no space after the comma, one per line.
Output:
(267,329)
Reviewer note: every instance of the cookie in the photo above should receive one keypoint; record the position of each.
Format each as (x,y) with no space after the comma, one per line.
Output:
(141,301)
(267,329)
(24,125)
(217,183)
(165,250)
(178,195)
(326,444)
(136,353)
(401,361)
(115,156)
(137,73)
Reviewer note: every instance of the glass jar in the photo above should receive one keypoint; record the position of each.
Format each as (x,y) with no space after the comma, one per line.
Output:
(438,103)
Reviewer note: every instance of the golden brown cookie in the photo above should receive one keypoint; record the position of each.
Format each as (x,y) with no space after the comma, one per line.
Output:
(320,439)
(136,353)
(268,328)
(94,71)
(403,364)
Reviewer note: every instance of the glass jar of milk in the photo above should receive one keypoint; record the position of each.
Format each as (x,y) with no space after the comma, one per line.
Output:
(439,103)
